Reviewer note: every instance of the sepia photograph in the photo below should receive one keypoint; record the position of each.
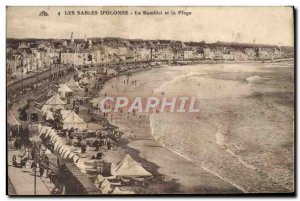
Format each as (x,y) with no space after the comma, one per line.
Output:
(163,100)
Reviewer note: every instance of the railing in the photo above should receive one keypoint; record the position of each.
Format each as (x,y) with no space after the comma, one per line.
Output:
(42,89)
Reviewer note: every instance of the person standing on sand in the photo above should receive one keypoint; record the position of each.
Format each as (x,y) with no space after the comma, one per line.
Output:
(108,144)
(131,136)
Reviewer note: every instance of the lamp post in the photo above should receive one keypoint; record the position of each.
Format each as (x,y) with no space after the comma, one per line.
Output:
(35,140)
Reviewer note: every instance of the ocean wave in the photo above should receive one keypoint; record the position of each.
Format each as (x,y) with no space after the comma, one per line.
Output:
(175,151)
(225,144)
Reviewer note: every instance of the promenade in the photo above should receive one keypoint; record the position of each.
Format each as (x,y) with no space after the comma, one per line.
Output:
(22,179)
(33,78)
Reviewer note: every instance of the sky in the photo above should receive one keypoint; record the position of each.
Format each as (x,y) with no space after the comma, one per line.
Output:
(260,25)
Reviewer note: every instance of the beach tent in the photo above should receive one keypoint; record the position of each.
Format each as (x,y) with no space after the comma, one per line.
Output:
(74,121)
(48,151)
(77,90)
(71,155)
(40,126)
(56,138)
(99,180)
(47,133)
(53,137)
(45,108)
(65,113)
(73,85)
(84,81)
(66,154)
(63,90)
(75,159)
(105,186)
(118,191)
(111,72)
(49,115)
(57,144)
(59,147)
(128,167)
(80,74)
(55,102)
(63,149)
(79,163)
(44,130)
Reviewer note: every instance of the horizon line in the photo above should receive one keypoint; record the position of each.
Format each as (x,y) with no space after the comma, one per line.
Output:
(232,42)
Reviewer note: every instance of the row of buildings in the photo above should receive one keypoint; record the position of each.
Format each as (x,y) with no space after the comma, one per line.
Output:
(25,58)
(38,55)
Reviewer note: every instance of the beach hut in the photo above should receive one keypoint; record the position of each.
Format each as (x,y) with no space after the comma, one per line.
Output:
(55,103)
(74,121)
(64,90)
(128,167)
(118,191)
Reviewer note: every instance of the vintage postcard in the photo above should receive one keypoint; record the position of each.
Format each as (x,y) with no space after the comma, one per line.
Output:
(150,100)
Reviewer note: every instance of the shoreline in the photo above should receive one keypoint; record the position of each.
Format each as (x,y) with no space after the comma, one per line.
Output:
(196,62)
